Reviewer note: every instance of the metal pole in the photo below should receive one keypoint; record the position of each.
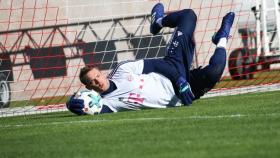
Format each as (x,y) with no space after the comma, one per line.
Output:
(277,17)
(258,28)
(264,28)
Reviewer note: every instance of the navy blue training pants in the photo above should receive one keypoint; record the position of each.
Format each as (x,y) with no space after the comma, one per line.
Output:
(179,57)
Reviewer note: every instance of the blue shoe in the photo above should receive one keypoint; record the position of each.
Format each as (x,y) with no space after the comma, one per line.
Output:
(157,12)
(225,28)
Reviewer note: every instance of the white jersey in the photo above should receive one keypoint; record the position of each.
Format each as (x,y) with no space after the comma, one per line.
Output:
(137,91)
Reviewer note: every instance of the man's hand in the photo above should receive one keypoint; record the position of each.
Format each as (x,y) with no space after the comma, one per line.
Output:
(185,93)
(75,105)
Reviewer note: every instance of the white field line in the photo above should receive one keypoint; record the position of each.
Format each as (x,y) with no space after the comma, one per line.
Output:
(204,117)
(29,110)
(243,90)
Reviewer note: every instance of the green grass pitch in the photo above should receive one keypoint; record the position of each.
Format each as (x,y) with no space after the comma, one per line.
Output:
(234,126)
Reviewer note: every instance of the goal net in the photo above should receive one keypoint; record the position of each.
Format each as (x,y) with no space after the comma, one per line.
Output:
(45,43)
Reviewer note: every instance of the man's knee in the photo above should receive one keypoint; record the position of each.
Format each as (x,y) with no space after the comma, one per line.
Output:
(189,15)
(215,72)
(188,20)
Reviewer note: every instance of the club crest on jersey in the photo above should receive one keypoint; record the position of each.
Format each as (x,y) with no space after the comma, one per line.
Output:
(129,78)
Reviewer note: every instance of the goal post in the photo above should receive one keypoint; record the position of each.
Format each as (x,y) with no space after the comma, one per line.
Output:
(45,43)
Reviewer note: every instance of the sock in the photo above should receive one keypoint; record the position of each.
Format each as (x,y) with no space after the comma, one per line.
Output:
(159,22)
(222,43)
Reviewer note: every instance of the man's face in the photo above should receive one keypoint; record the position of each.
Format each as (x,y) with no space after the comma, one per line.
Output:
(97,81)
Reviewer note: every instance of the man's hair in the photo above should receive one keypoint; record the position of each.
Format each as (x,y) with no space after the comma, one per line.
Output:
(83,74)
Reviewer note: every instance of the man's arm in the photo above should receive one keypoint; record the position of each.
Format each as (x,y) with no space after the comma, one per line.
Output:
(105,109)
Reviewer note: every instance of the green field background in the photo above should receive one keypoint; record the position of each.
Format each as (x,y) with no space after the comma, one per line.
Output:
(234,126)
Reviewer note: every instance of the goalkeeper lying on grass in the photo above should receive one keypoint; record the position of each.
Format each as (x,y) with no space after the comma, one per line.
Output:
(159,83)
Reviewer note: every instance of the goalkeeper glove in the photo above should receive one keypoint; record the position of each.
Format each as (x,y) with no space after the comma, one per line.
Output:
(75,105)
(185,93)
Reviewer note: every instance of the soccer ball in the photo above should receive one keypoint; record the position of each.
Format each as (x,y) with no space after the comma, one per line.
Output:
(92,101)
